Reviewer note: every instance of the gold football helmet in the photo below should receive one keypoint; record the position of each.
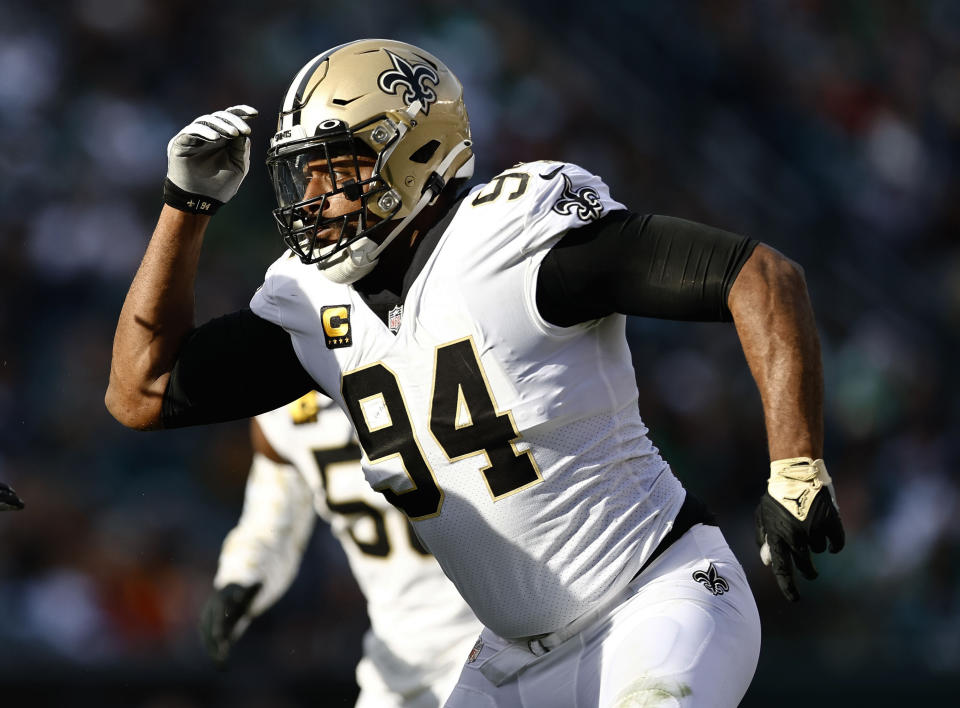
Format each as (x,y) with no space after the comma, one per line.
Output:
(398,105)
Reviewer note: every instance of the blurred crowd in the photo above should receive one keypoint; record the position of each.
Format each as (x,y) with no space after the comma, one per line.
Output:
(828,129)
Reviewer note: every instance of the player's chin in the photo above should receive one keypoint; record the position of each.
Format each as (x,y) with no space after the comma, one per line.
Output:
(351,230)
(328,236)
(340,232)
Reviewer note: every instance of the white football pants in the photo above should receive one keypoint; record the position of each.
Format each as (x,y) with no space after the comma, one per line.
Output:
(682,636)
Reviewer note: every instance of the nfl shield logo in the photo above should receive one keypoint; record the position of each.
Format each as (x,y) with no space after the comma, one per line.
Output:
(475,652)
(393,318)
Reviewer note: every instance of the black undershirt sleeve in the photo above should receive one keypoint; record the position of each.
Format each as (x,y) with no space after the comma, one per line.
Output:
(233,367)
(651,266)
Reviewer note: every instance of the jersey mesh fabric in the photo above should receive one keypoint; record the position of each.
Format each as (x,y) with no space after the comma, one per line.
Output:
(606,501)
(532,559)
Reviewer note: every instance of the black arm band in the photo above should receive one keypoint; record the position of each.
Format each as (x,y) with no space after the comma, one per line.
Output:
(651,266)
(185,201)
(232,367)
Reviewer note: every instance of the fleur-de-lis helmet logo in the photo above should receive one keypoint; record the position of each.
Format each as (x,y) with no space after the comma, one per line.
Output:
(412,78)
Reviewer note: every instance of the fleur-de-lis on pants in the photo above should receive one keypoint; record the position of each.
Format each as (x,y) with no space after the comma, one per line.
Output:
(711,580)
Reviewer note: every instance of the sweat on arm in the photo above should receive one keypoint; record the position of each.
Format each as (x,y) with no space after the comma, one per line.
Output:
(232,367)
(650,266)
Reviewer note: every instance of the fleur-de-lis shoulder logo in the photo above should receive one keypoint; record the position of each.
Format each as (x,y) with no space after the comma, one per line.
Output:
(412,78)
(584,202)
(711,580)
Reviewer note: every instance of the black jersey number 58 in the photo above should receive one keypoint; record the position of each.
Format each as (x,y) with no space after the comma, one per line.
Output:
(463,420)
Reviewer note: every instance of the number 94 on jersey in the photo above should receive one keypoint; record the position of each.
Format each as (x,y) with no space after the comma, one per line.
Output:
(463,420)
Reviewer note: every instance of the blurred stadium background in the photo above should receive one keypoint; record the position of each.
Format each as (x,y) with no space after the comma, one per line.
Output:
(829,129)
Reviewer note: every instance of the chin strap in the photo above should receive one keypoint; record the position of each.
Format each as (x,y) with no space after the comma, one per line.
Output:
(360,257)
(431,192)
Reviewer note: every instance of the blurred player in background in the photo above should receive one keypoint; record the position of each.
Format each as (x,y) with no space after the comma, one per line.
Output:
(9,501)
(307,463)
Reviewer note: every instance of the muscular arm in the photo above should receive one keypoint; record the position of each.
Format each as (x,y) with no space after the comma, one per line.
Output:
(657,266)
(798,513)
(671,268)
(166,373)
(157,314)
(775,323)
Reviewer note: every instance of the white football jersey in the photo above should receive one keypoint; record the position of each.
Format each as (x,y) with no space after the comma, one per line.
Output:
(421,629)
(514,445)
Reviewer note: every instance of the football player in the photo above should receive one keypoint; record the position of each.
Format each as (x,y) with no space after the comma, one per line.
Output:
(9,501)
(307,463)
(477,342)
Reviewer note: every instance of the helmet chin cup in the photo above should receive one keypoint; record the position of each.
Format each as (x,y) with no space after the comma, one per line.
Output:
(351,263)
(360,256)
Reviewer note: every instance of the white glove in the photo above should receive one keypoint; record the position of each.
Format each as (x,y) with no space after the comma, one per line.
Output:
(207,160)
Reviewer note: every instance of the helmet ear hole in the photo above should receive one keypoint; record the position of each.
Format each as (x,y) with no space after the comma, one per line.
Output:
(425,152)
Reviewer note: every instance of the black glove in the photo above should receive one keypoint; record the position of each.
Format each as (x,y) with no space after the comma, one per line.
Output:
(9,501)
(796,515)
(220,619)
